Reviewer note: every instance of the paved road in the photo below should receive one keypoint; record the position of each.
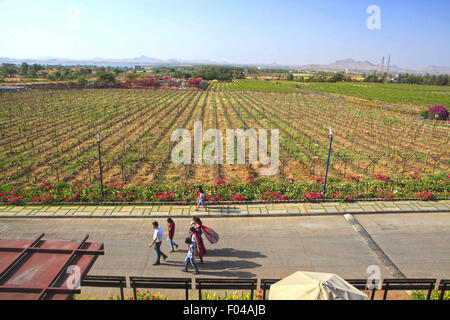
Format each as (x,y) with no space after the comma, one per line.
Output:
(269,247)
(418,244)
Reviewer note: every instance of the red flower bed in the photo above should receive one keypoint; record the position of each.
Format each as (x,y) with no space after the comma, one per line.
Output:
(382,177)
(238,197)
(424,195)
(309,195)
(272,196)
(165,197)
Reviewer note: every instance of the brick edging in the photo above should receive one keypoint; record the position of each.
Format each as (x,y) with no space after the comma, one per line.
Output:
(216,203)
(250,215)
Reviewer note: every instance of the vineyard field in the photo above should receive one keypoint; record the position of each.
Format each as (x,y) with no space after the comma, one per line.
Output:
(417,97)
(52,135)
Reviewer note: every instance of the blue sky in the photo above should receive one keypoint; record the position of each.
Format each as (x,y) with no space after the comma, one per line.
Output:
(414,33)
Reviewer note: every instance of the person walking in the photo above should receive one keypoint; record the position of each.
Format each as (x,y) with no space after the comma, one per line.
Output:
(197,226)
(191,248)
(157,241)
(201,199)
(171,229)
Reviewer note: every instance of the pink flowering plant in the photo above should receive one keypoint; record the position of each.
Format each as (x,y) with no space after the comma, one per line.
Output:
(350,188)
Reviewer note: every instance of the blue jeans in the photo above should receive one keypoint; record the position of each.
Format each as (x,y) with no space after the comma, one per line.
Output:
(172,244)
(192,262)
(201,202)
(157,247)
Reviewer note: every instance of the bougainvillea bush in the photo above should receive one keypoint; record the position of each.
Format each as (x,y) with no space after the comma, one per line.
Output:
(436,112)
(380,186)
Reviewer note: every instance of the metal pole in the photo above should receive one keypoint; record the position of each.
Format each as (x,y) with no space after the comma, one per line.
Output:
(328,163)
(100,164)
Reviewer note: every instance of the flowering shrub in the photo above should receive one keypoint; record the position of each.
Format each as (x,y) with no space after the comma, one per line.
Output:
(386,194)
(142,296)
(11,198)
(259,296)
(272,196)
(344,197)
(238,197)
(312,195)
(256,189)
(424,195)
(414,176)
(382,177)
(45,186)
(438,112)
(45,198)
(212,197)
(165,197)
(353,178)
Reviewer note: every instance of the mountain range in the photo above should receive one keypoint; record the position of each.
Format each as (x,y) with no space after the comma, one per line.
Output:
(353,66)
(368,67)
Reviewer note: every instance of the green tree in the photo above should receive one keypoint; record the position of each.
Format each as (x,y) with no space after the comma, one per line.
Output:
(9,69)
(81,81)
(24,68)
(107,78)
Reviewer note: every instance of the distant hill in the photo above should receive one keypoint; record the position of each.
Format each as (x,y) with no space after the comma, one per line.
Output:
(341,65)
(368,67)
(142,60)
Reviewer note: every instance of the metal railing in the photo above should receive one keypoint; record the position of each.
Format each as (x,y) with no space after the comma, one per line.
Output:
(224,284)
(250,284)
(160,283)
(106,282)
(408,284)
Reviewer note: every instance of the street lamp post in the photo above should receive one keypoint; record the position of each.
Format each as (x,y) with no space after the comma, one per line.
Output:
(100,164)
(328,163)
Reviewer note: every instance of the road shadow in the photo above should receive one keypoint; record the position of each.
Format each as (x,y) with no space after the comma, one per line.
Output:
(226,273)
(222,268)
(231,252)
(228,265)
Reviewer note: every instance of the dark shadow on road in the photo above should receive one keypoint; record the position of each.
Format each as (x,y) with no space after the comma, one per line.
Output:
(222,268)
(227,265)
(230,252)
(226,273)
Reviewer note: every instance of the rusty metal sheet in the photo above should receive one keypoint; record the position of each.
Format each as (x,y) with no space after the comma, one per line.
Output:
(39,269)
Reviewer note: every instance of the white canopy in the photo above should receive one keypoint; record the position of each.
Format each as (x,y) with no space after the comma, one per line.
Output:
(314,286)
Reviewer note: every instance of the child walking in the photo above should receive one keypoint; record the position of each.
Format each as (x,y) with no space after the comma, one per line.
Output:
(171,229)
(191,246)
(201,198)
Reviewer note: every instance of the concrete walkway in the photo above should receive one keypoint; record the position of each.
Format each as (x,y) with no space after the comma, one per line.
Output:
(415,243)
(299,209)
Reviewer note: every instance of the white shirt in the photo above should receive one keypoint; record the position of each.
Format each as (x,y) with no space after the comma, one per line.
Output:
(158,234)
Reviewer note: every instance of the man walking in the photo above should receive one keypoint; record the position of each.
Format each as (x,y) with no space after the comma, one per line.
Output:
(157,241)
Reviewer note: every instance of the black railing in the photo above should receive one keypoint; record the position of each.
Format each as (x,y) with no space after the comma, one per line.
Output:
(251,285)
(160,283)
(265,285)
(444,286)
(105,282)
(361,284)
(224,284)
(408,284)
